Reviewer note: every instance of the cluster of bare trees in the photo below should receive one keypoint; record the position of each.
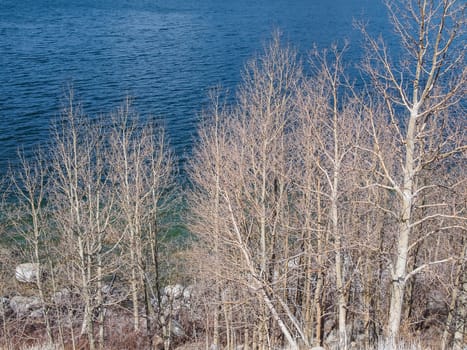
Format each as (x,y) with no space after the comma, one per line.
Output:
(318,206)
(92,209)
(321,214)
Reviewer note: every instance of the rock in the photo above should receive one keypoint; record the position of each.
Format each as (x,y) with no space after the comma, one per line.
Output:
(21,306)
(294,263)
(36,314)
(107,289)
(27,273)
(173,291)
(176,329)
(5,309)
(174,299)
(188,293)
(62,297)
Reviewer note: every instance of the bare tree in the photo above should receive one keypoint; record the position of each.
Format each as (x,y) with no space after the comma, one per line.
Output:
(421,95)
(30,188)
(142,177)
(83,210)
(206,170)
(456,329)
(329,124)
(242,174)
(94,208)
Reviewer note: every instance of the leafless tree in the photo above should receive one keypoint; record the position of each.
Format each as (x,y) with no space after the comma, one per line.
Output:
(91,209)
(83,210)
(330,130)
(142,180)
(29,186)
(240,173)
(421,95)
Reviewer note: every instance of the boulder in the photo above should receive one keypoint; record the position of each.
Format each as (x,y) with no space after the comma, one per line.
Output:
(37,314)
(173,291)
(27,273)
(22,306)
(176,329)
(62,297)
(188,293)
(5,309)
(174,299)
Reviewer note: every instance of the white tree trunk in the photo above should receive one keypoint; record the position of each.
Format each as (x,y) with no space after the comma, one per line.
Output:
(399,272)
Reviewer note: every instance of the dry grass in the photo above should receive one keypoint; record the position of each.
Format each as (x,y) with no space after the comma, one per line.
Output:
(33,347)
(385,345)
(382,345)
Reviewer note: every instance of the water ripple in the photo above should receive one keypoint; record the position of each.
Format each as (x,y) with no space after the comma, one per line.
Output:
(167,55)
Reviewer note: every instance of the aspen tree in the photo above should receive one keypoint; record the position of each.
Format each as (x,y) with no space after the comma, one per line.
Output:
(422,95)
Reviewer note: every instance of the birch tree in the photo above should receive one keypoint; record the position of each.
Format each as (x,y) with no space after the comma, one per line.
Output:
(142,180)
(206,173)
(83,211)
(29,220)
(421,95)
(329,124)
(251,190)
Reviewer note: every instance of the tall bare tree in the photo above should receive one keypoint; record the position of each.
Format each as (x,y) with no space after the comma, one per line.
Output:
(83,210)
(142,178)
(421,95)
(250,149)
(206,172)
(329,120)
(29,220)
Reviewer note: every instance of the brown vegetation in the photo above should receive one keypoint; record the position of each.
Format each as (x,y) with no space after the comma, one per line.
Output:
(320,215)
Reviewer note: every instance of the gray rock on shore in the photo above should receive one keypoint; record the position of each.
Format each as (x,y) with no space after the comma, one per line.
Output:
(27,272)
(23,306)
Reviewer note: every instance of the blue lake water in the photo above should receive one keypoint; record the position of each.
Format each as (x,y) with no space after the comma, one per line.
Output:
(167,55)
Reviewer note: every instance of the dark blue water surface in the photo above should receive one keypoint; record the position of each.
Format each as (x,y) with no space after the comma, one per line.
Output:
(165,54)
